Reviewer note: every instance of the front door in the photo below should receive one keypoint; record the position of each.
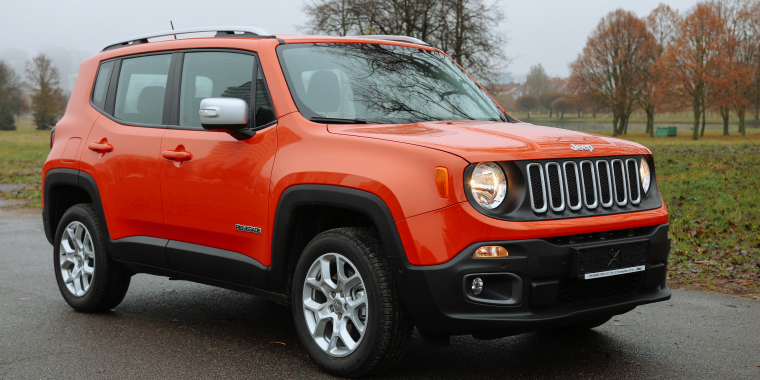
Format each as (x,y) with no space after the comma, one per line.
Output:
(213,186)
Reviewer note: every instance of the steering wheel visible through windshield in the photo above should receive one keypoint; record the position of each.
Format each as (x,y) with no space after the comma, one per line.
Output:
(381,84)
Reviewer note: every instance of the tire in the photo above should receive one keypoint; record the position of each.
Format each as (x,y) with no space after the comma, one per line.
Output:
(387,326)
(88,279)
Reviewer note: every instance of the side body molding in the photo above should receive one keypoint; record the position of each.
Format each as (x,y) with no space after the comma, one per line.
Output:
(326,195)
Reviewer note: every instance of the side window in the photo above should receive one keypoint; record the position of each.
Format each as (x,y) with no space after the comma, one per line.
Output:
(264,108)
(213,75)
(101,85)
(141,89)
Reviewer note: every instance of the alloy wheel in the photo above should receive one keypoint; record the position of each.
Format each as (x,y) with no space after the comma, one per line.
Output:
(335,304)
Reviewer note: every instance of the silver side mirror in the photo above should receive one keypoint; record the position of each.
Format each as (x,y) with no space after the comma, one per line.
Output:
(226,114)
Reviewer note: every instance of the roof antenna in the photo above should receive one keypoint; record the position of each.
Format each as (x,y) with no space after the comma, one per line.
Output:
(172,24)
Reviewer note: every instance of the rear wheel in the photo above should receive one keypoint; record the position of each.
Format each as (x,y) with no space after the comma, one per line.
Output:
(87,278)
(348,314)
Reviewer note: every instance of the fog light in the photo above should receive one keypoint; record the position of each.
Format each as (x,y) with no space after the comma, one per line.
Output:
(491,251)
(477,286)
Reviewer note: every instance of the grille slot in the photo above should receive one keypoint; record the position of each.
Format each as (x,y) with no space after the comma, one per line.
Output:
(536,188)
(554,179)
(573,185)
(633,181)
(605,183)
(589,184)
(618,176)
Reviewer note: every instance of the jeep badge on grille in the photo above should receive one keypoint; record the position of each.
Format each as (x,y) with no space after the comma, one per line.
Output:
(582,147)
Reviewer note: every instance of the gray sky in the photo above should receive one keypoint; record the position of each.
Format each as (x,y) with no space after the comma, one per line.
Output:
(550,32)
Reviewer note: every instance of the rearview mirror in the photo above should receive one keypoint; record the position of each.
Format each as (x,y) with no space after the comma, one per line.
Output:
(226,114)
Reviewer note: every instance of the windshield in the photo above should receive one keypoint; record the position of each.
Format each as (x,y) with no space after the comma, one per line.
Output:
(382,84)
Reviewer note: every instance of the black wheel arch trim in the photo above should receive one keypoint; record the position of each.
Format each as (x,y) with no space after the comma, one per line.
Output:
(328,195)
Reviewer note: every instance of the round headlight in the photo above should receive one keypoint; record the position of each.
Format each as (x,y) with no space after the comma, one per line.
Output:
(488,185)
(645,174)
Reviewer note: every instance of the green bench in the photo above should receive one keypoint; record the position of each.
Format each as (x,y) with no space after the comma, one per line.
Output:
(667,132)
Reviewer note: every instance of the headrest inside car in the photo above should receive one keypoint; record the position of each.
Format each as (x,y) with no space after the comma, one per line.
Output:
(323,94)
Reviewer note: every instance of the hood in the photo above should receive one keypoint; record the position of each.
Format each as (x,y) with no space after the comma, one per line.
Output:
(478,141)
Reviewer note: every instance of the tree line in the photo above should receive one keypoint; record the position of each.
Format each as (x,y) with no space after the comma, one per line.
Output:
(708,57)
(46,99)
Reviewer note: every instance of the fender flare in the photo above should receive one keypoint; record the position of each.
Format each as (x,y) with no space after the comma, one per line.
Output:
(74,178)
(328,195)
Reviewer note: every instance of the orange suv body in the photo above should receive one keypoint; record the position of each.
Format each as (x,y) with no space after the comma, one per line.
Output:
(189,201)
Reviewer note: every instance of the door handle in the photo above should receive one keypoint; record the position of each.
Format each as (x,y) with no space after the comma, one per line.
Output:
(100,147)
(175,155)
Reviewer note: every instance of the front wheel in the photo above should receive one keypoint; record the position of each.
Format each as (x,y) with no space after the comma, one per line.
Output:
(348,314)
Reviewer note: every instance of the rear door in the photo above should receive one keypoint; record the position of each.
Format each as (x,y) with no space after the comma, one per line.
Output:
(221,186)
(123,153)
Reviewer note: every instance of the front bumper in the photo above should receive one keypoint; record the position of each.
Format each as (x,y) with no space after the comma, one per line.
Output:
(545,293)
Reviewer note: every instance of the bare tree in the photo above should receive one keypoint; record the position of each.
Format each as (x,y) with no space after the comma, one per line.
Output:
(466,30)
(612,66)
(537,81)
(663,24)
(48,102)
(11,100)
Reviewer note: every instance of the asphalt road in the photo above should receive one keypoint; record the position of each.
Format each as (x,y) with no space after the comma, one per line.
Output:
(172,329)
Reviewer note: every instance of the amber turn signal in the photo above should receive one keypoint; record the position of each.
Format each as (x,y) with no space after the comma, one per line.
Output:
(491,251)
(442,181)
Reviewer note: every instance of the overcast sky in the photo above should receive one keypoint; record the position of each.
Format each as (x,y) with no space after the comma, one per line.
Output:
(550,32)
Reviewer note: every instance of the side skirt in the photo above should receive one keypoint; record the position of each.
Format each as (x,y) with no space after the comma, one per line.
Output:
(147,269)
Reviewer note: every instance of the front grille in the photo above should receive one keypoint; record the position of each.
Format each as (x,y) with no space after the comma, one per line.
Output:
(567,185)
(575,291)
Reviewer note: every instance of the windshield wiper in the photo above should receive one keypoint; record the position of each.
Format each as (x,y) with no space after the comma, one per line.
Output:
(330,120)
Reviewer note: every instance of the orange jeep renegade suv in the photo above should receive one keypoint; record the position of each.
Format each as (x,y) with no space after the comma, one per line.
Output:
(368,182)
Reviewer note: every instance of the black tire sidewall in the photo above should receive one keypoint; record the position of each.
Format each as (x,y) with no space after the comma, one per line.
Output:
(334,243)
(80,213)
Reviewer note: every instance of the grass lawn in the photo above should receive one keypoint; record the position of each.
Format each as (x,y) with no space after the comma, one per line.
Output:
(22,154)
(711,187)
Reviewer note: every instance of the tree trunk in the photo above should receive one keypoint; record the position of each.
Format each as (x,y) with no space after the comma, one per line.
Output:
(615,120)
(650,119)
(550,113)
(741,114)
(697,114)
(704,112)
(725,112)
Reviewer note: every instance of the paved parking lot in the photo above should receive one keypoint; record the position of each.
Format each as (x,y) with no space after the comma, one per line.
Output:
(172,329)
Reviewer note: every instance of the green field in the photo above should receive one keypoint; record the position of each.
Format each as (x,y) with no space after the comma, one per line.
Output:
(711,187)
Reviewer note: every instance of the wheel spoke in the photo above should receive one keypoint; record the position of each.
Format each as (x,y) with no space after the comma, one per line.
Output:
(354,304)
(88,269)
(326,278)
(354,315)
(350,283)
(346,337)
(87,248)
(78,285)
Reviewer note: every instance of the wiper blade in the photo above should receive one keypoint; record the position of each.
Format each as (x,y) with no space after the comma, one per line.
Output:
(330,120)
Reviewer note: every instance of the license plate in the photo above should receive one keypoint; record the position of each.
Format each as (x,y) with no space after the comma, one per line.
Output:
(611,259)
(614,272)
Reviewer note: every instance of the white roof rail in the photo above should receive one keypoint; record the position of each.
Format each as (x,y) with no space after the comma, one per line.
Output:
(393,38)
(248,31)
